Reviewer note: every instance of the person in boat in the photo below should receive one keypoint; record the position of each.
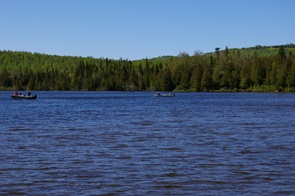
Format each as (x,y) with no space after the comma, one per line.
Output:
(15,93)
(29,93)
(158,94)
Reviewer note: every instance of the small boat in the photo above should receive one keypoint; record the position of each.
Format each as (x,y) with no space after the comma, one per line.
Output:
(165,95)
(23,97)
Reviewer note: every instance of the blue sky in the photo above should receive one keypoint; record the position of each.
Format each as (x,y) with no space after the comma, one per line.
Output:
(136,29)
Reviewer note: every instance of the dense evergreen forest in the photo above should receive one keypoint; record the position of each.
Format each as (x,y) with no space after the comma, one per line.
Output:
(257,68)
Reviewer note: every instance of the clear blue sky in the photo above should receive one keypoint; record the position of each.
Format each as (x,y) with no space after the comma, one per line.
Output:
(136,29)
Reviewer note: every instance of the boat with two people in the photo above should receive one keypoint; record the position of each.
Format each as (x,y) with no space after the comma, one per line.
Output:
(164,95)
(17,95)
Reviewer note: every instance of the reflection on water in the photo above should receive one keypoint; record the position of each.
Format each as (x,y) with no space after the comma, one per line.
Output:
(91,143)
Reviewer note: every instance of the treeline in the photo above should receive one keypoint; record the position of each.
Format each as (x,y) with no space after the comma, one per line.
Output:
(225,70)
(275,46)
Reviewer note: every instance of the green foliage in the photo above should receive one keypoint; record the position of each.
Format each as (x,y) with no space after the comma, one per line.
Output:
(258,68)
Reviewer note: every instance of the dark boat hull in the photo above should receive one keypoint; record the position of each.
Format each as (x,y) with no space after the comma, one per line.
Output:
(23,97)
(165,95)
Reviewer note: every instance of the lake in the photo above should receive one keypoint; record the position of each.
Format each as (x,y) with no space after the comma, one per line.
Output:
(133,143)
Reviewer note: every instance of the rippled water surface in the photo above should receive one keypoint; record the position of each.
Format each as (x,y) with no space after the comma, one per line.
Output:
(132,143)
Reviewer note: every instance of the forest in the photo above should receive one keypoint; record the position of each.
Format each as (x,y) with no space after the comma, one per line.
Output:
(259,69)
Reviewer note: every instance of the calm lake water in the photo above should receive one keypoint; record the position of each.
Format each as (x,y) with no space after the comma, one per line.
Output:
(132,143)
